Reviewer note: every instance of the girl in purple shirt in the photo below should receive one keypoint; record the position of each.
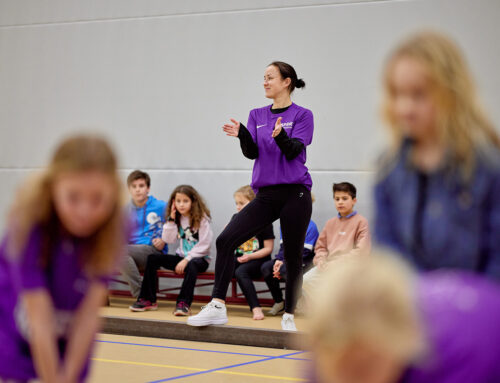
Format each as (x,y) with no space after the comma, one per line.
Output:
(276,137)
(65,232)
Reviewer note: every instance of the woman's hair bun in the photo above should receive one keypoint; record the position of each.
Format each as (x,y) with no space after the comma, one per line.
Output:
(299,83)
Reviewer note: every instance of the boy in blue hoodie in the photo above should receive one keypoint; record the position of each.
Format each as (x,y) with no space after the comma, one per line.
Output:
(148,216)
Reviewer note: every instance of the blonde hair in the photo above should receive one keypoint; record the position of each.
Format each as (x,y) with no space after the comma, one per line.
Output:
(367,300)
(199,209)
(34,205)
(462,125)
(246,191)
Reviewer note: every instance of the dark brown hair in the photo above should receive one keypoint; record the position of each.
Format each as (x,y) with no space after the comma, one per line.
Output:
(138,175)
(345,187)
(287,71)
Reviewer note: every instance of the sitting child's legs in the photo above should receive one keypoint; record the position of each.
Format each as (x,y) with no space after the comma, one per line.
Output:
(193,268)
(245,273)
(267,270)
(134,263)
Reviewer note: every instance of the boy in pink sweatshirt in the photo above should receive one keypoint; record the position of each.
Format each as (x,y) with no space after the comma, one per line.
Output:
(346,234)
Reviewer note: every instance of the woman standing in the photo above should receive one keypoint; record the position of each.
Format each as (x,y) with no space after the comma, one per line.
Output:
(276,137)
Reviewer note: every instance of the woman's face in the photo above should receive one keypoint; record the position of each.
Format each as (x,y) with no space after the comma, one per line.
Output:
(84,201)
(413,105)
(274,84)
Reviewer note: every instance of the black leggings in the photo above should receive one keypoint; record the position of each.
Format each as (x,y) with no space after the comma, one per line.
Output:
(293,206)
(155,261)
(245,273)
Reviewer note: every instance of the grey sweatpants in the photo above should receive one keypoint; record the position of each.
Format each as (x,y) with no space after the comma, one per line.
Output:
(135,263)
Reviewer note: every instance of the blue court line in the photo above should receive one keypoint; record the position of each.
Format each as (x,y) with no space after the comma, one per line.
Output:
(227,367)
(192,349)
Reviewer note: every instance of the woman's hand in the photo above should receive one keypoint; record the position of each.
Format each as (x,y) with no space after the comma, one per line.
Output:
(233,129)
(173,210)
(181,266)
(277,127)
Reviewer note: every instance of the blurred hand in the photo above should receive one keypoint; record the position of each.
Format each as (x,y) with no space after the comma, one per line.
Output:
(276,269)
(321,264)
(181,266)
(233,129)
(173,211)
(158,243)
(244,258)
(318,257)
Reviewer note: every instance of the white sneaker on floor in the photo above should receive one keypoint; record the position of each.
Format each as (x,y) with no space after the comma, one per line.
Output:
(212,313)
(287,323)
(277,307)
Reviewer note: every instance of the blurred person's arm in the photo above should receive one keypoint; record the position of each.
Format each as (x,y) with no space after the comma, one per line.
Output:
(264,252)
(85,325)
(362,245)
(320,250)
(492,232)
(169,234)
(384,223)
(42,334)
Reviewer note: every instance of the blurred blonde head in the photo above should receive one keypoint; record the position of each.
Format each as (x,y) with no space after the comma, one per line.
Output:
(365,302)
(35,204)
(462,127)
(247,192)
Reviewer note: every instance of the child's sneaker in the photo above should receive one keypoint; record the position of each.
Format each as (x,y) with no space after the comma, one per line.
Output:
(287,323)
(144,305)
(182,309)
(213,313)
(277,307)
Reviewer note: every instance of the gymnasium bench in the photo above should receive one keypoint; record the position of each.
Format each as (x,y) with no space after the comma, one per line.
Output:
(204,279)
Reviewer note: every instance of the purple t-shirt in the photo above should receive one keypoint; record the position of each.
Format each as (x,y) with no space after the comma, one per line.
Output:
(271,166)
(461,313)
(66,283)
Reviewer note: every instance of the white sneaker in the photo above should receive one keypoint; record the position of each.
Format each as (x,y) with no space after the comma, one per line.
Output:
(277,307)
(213,313)
(287,323)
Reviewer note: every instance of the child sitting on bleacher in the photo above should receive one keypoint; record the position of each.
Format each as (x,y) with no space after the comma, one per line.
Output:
(188,220)
(274,270)
(251,255)
(345,235)
(148,216)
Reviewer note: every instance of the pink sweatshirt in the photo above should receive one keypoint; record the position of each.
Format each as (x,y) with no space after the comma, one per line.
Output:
(193,243)
(342,236)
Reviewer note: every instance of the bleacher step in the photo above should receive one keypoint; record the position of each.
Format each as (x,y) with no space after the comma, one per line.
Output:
(244,336)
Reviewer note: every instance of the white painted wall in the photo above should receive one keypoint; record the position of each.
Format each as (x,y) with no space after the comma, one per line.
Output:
(161,77)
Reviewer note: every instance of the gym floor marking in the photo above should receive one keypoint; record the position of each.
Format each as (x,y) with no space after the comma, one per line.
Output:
(199,350)
(199,371)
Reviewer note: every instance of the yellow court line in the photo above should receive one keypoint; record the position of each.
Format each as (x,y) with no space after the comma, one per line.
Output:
(198,369)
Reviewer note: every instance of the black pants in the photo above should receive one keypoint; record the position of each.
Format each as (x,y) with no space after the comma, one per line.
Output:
(267,270)
(245,273)
(155,261)
(293,206)
(273,284)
